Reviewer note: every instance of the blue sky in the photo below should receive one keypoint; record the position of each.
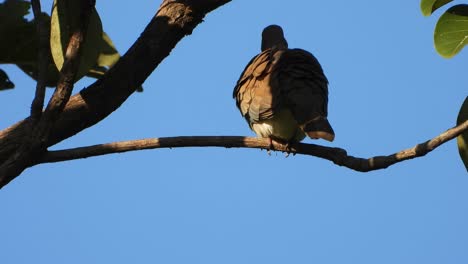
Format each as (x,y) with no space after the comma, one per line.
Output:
(388,91)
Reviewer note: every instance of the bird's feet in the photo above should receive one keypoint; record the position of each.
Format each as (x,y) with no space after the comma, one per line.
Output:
(270,146)
(288,149)
(287,143)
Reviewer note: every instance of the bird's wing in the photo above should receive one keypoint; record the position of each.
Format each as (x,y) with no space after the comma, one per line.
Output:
(254,96)
(303,85)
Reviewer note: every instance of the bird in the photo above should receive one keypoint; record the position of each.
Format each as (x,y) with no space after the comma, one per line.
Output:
(283,93)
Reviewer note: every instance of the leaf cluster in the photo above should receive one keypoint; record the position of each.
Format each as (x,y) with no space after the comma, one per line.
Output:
(19,43)
(451,31)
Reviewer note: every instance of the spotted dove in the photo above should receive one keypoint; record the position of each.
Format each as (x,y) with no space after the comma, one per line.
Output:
(283,93)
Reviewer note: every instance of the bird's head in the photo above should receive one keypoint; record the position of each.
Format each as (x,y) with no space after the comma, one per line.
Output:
(272,36)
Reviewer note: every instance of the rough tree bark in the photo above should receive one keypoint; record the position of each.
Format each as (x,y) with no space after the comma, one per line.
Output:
(25,143)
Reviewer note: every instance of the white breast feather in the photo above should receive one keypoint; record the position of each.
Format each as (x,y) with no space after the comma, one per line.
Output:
(282,126)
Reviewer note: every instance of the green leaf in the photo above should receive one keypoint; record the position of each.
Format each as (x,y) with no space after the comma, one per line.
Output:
(31,70)
(109,54)
(429,6)
(451,32)
(65,18)
(14,10)
(19,43)
(462,140)
(16,33)
(5,82)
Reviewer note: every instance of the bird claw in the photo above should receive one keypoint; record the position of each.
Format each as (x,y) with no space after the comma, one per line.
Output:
(288,149)
(270,146)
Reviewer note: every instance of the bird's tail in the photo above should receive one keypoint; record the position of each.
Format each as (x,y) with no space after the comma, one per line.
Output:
(319,128)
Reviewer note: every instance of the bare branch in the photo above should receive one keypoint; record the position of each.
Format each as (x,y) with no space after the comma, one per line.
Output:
(42,61)
(336,155)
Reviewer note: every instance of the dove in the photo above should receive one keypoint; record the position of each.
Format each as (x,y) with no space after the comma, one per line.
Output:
(283,93)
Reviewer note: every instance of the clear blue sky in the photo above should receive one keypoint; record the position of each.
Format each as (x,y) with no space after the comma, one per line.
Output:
(388,91)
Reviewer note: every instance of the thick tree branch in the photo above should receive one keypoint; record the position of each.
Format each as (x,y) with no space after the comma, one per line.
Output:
(42,60)
(336,155)
(174,20)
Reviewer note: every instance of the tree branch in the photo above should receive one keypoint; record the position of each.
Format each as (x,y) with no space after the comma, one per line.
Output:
(42,61)
(34,144)
(69,70)
(336,155)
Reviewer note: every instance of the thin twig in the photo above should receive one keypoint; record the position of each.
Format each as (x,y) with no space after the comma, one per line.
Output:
(42,61)
(336,155)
